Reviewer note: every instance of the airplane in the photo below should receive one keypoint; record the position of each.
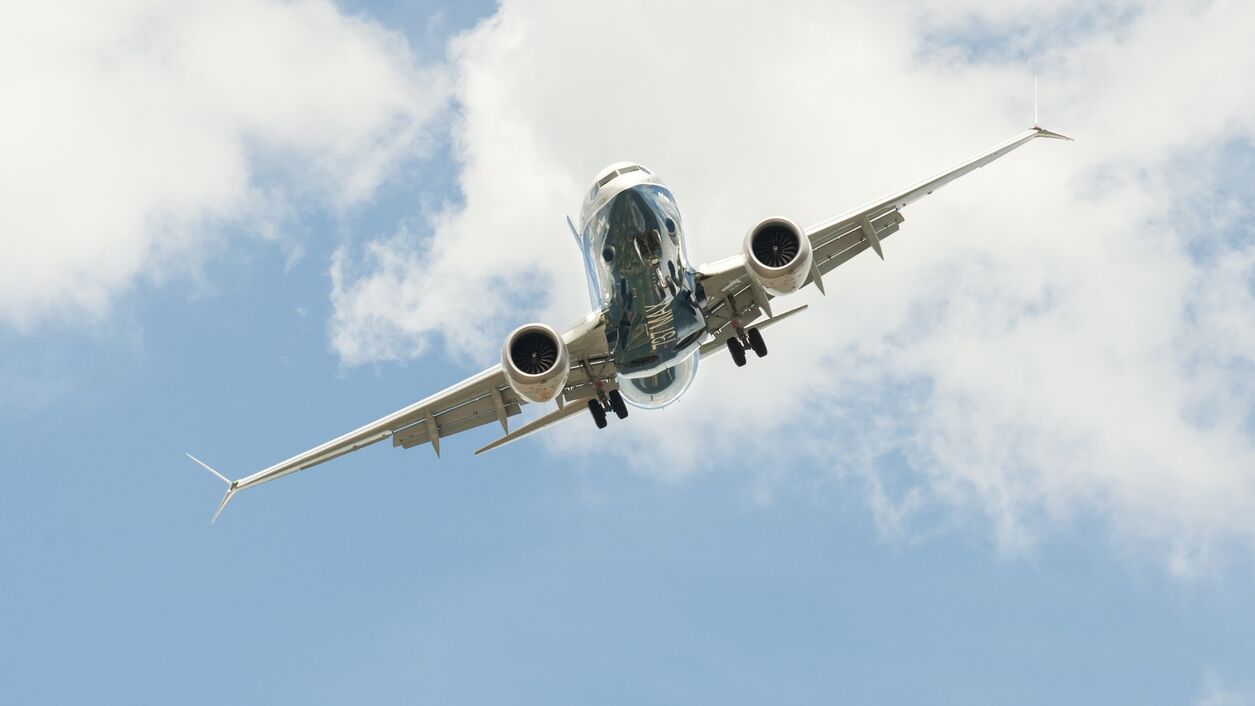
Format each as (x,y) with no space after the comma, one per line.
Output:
(654,315)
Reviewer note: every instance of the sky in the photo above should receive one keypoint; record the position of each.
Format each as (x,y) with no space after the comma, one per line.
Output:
(1014,462)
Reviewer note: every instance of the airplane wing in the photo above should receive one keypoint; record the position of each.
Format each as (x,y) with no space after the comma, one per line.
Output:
(733,295)
(480,399)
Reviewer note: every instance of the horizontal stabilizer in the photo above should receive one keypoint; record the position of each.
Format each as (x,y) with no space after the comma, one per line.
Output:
(537,424)
(718,344)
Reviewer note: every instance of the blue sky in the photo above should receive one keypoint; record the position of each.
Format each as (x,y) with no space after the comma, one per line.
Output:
(559,571)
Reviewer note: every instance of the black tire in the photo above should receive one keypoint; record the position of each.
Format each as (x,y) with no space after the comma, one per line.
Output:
(738,352)
(617,404)
(599,414)
(756,342)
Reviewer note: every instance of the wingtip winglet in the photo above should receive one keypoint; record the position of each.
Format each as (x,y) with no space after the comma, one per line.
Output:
(205,466)
(1037,128)
(223,505)
(1050,134)
(232,486)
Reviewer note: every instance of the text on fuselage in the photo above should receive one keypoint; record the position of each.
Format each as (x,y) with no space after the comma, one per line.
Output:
(660,323)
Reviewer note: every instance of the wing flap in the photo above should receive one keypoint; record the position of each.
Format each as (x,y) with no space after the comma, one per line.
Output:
(459,419)
(853,240)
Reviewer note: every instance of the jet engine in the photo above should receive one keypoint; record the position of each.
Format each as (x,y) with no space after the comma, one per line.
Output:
(778,255)
(536,362)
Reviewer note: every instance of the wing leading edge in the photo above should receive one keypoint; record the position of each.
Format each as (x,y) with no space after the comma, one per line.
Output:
(734,295)
(478,400)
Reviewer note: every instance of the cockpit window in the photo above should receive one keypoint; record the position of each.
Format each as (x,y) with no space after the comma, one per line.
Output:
(619,172)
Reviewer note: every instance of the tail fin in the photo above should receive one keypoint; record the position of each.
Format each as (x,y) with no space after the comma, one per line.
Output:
(231,487)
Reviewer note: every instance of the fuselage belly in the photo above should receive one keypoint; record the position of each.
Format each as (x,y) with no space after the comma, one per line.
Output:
(632,238)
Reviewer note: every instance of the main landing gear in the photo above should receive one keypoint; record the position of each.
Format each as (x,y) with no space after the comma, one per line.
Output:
(753,340)
(614,403)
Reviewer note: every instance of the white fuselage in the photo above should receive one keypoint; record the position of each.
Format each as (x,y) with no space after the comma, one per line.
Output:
(632,238)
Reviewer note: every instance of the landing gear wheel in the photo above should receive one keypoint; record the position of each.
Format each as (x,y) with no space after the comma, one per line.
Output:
(756,342)
(737,351)
(599,414)
(616,404)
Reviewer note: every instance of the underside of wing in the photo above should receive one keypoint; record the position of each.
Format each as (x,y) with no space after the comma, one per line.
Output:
(737,292)
(481,399)
(493,395)
(901,199)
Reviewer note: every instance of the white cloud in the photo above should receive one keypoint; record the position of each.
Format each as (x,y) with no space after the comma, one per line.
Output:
(1071,331)
(134,131)
(1215,693)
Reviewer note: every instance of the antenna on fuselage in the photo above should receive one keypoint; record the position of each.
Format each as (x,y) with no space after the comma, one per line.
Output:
(574,233)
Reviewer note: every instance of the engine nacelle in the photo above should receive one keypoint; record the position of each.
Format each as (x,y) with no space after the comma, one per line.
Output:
(778,255)
(536,362)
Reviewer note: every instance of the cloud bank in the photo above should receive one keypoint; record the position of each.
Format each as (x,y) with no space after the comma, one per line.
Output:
(137,132)
(1065,336)
(1068,334)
